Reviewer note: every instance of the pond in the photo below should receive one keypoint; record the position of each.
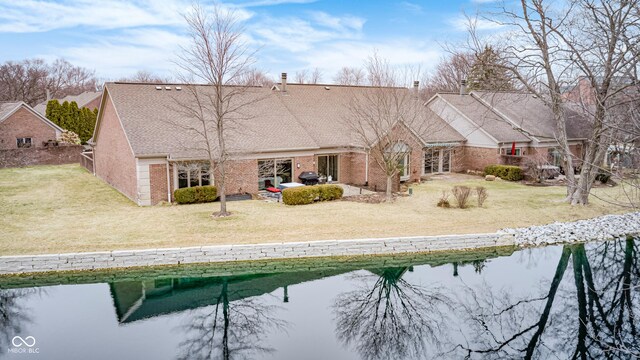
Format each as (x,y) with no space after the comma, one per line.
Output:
(554,302)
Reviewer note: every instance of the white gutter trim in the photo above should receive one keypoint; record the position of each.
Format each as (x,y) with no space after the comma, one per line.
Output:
(366,168)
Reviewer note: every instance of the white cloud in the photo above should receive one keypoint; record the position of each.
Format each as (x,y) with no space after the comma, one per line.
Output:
(461,23)
(137,49)
(338,23)
(41,16)
(400,52)
(412,7)
(273,2)
(298,35)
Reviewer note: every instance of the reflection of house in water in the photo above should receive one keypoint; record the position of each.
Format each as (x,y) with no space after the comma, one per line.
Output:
(137,300)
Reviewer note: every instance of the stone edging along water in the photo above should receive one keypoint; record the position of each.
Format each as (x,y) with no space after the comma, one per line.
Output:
(602,228)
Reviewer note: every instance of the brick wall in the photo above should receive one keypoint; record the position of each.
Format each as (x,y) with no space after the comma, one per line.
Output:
(352,168)
(158,182)
(242,177)
(113,158)
(94,104)
(23,123)
(307,163)
(476,158)
(458,156)
(55,155)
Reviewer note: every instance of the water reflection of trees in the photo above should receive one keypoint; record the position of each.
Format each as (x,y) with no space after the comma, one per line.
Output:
(588,310)
(389,318)
(229,329)
(13,313)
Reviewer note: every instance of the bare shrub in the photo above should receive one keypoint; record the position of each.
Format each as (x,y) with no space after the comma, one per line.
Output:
(461,193)
(482,194)
(444,200)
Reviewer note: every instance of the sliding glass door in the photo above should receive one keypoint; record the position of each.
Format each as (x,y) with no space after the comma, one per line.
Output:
(272,173)
(328,167)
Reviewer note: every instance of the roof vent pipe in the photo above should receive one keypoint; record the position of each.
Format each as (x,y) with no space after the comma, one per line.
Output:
(416,88)
(284,82)
(463,87)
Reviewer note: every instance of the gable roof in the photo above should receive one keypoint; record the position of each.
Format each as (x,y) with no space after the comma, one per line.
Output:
(9,108)
(305,117)
(82,100)
(514,116)
(484,117)
(529,113)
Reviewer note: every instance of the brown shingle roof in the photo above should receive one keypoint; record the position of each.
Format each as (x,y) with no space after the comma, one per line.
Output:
(7,108)
(530,113)
(155,123)
(305,117)
(82,100)
(484,117)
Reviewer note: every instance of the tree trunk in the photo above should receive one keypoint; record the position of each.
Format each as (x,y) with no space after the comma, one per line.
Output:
(593,158)
(222,190)
(389,192)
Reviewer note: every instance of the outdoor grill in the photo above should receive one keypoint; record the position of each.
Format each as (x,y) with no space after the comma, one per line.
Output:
(309,178)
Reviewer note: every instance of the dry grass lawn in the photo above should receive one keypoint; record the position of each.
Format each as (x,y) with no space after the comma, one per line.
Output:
(49,209)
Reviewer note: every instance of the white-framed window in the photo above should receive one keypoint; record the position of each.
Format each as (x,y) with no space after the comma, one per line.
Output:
(24,142)
(507,151)
(193,174)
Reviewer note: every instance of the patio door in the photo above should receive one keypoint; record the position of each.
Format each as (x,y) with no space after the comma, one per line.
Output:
(437,160)
(328,166)
(272,173)
(406,167)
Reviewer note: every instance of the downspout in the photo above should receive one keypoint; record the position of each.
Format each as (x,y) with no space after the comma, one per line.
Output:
(366,168)
(168,182)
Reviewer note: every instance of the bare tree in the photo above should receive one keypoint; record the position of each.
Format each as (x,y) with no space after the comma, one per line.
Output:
(144,76)
(588,309)
(230,329)
(33,80)
(306,77)
(381,117)
(255,77)
(553,44)
(449,73)
(390,317)
(219,57)
(350,76)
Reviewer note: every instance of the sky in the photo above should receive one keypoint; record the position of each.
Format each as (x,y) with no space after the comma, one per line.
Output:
(118,38)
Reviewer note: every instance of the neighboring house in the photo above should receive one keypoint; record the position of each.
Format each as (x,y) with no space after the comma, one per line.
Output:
(28,138)
(495,124)
(142,149)
(88,99)
(623,119)
(22,127)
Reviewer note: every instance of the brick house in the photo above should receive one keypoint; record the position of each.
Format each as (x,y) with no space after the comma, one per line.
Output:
(494,123)
(145,147)
(28,138)
(22,127)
